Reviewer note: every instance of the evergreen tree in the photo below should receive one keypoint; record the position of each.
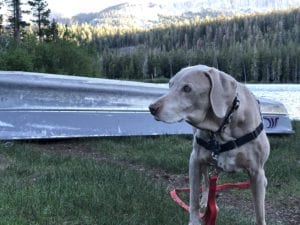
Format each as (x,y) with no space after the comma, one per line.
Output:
(1,18)
(145,67)
(15,19)
(40,14)
(52,32)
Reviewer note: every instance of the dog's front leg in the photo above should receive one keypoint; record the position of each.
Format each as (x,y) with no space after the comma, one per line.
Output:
(258,187)
(194,176)
(205,185)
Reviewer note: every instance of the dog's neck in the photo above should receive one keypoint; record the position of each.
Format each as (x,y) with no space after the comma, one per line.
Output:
(237,126)
(210,124)
(217,125)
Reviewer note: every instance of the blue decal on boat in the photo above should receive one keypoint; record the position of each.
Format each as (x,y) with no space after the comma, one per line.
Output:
(271,122)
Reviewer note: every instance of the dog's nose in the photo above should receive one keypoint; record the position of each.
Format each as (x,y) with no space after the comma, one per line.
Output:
(154,108)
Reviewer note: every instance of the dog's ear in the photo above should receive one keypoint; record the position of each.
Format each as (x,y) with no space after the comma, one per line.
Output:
(223,91)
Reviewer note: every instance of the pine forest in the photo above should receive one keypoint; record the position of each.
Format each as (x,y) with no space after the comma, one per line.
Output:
(261,48)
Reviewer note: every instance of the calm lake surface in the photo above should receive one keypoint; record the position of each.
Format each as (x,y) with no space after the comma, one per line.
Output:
(288,94)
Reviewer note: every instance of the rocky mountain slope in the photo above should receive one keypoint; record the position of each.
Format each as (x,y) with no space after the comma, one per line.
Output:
(147,14)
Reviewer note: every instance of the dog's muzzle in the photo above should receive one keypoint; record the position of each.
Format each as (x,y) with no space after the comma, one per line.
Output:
(154,109)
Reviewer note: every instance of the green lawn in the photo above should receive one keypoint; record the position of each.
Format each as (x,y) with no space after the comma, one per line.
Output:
(40,186)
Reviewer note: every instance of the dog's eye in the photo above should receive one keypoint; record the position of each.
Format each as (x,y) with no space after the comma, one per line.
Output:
(186,89)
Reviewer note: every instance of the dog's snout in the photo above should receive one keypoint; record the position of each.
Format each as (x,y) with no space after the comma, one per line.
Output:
(154,108)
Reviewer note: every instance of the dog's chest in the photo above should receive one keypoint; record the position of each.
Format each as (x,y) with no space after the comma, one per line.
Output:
(227,162)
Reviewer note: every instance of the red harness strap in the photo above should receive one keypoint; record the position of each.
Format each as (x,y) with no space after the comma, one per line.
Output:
(210,215)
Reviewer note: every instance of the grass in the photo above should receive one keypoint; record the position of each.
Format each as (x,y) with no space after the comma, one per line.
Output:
(283,167)
(39,187)
(170,153)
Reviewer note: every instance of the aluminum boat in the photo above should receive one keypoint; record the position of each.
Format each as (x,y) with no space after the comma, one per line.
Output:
(42,106)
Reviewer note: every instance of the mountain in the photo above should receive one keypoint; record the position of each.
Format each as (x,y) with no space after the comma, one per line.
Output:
(142,14)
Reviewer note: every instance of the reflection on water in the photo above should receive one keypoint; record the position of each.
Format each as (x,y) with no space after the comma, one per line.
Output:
(288,94)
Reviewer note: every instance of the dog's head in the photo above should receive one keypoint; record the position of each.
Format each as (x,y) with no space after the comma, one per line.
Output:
(193,91)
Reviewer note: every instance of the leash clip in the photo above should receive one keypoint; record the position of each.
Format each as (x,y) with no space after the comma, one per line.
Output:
(215,157)
(214,147)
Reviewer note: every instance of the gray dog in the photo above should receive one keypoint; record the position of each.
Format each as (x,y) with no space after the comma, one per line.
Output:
(228,130)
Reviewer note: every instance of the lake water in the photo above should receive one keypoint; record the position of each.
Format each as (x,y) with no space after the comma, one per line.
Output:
(288,94)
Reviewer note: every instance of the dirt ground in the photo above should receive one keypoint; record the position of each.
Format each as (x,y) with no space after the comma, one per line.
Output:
(285,211)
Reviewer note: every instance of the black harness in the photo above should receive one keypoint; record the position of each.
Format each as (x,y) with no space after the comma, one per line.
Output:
(216,148)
